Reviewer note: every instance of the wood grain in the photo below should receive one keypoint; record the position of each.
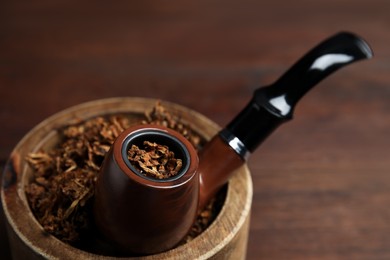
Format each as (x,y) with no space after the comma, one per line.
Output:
(321,182)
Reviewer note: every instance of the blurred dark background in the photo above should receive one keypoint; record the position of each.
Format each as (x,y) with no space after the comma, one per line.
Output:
(321,182)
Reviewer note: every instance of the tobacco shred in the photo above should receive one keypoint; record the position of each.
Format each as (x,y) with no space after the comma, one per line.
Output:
(64,177)
(160,116)
(154,160)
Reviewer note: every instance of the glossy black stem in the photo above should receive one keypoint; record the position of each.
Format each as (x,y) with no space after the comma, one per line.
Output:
(274,104)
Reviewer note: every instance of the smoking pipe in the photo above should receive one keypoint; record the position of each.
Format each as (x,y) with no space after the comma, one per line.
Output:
(142,215)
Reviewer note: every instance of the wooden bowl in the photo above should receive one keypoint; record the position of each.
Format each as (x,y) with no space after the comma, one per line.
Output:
(225,238)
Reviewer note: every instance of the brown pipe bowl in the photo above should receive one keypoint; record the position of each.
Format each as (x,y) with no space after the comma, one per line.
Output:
(140,214)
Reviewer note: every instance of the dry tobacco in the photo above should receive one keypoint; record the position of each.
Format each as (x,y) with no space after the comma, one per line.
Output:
(154,160)
(64,177)
(160,116)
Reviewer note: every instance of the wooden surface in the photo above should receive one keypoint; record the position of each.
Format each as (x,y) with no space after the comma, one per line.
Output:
(321,182)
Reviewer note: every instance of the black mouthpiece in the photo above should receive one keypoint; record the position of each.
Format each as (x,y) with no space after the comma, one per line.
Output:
(274,104)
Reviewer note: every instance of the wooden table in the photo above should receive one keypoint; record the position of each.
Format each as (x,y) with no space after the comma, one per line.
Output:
(321,182)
